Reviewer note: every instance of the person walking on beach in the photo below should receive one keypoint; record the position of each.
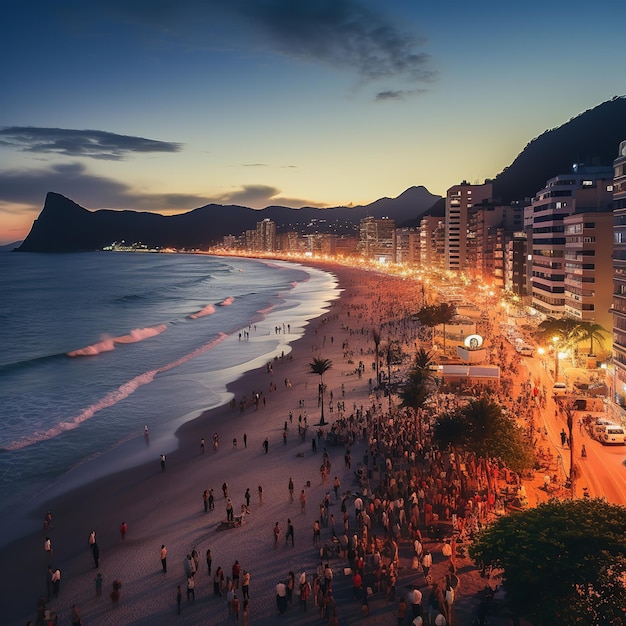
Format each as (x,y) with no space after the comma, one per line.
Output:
(209,560)
(205,500)
(302,501)
(229,510)
(202,445)
(47,546)
(316,533)
(336,485)
(179,597)
(162,462)
(211,500)
(260,494)
(266,445)
(276,534)
(225,489)
(289,532)
(236,569)
(291,489)
(245,440)
(123,529)
(95,550)
(245,584)
(191,589)
(247,497)
(164,558)
(56,582)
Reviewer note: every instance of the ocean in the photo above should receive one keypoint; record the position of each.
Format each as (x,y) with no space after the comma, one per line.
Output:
(96,346)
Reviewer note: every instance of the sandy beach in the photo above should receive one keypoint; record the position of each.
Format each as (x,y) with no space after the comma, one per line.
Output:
(166,507)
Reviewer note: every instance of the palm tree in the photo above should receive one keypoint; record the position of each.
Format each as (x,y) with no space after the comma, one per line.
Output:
(426,317)
(444,315)
(590,331)
(320,367)
(417,386)
(423,359)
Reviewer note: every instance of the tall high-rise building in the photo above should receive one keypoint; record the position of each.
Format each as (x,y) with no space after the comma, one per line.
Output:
(619,275)
(460,202)
(377,239)
(584,190)
(588,254)
(266,235)
(432,241)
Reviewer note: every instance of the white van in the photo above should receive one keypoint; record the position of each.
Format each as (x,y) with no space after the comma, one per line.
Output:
(559,389)
(526,351)
(613,435)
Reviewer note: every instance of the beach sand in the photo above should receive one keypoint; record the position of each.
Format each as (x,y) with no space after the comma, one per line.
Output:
(166,507)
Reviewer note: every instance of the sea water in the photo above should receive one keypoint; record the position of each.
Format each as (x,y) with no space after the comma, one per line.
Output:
(96,346)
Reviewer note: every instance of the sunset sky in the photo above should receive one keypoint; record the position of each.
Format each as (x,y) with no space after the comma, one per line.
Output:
(169,105)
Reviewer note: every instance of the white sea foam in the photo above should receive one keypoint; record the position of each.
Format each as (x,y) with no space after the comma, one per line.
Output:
(139,334)
(209,309)
(106,345)
(119,394)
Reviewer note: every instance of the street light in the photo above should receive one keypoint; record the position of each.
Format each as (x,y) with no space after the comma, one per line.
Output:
(558,355)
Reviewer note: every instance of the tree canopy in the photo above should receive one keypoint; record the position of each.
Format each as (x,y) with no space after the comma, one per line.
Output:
(564,562)
(483,428)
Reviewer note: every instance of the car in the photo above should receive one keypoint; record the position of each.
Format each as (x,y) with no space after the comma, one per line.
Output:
(559,388)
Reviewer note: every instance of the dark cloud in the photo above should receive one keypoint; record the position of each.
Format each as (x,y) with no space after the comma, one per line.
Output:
(260,196)
(340,33)
(95,144)
(400,94)
(24,191)
(30,186)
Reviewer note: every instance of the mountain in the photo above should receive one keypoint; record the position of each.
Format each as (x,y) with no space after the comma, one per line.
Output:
(591,138)
(64,226)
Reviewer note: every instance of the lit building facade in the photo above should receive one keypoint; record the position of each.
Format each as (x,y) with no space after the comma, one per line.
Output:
(588,254)
(619,275)
(586,189)
(377,239)
(460,202)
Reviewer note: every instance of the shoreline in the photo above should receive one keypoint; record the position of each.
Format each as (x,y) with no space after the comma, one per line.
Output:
(131,451)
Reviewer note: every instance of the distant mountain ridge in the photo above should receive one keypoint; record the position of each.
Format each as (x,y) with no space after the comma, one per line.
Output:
(64,226)
(591,138)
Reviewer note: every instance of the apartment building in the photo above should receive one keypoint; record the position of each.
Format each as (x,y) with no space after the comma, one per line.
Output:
(588,285)
(619,275)
(377,239)
(584,190)
(460,202)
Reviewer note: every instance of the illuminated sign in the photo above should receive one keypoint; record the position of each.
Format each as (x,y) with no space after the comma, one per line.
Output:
(473,342)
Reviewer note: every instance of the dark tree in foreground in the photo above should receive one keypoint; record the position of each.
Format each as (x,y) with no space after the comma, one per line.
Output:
(320,367)
(564,562)
(481,427)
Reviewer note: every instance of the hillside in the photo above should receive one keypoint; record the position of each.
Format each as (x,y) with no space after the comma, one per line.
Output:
(64,226)
(591,138)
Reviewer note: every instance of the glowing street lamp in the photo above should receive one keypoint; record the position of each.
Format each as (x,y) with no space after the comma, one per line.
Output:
(555,341)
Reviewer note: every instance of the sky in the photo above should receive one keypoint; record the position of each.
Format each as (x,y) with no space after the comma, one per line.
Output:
(166,106)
